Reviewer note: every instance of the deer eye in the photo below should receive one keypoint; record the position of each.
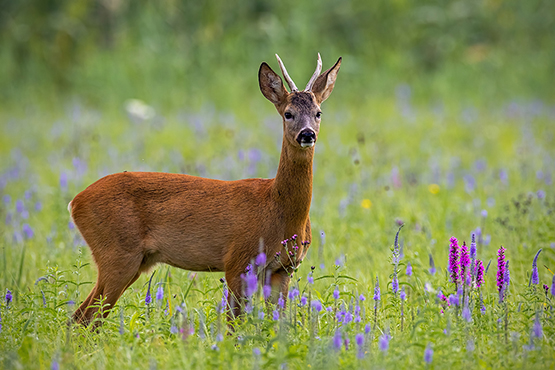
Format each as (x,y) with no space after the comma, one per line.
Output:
(288,115)
(319,115)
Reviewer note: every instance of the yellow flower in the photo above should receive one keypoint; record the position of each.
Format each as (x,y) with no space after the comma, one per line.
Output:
(366,203)
(433,188)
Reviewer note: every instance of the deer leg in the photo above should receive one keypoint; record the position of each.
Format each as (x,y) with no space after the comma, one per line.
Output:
(111,283)
(279,282)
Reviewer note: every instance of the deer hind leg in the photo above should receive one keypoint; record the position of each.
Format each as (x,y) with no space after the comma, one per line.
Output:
(115,275)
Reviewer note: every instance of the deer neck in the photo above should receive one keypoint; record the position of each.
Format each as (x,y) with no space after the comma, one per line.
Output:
(292,188)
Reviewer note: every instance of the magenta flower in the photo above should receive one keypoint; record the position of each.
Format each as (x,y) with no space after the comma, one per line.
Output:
(479,273)
(465,263)
(500,268)
(454,260)
(535,278)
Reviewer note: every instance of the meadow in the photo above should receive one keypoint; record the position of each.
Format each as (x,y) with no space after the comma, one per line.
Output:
(433,200)
(441,171)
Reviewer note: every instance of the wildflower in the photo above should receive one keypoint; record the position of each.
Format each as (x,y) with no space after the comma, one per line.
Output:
(535,278)
(500,268)
(454,299)
(348,317)
(454,260)
(293,293)
(395,284)
(403,295)
(537,328)
(19,207)
(316,305)
(160,293)
(428,354)
(470,346)
(377,295)
(432,265)
(55,364)
(260,259)
(409,269)
(336,293)
(267,291)
(148,298)
(465,263)
(63,181)
(304,300)
(346,342)
(361,298)
(473,246)
(337,340)
(173,329)
(546,288)
(261,315)
(275,315)
(9,297)
(466,315)
(256,351)
(479,273)
(484,213)
(28,231)
(310,278)
(359,340)
(367,329)
(553,286)
(251,283)
(384,342)
(281,301)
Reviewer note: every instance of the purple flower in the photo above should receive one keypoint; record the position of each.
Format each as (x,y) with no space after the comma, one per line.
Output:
(63,181)
(337,342)
(432,265)
(500,268)
(361,298)
(428,354)
(275,315)
(267,291)
(409,269)
(160,293)
(454,299)
(28,231)
(403,295)
(281,301)
(466,315)
(484,213)
(293,293)
(260,259)
(535,278)
(9,297)
(359,340)
(316,305)
(395,284)
(19,207)
(346,342)
(367,329)
(336,293)
(304,300)
(465,263)
(553,286)
(537,328)
(377,295)
(55,365)
(261,315)
(348,317)
(454,260)
(256,351)
(148,298)
(479,273)
(473,246)
(384,342)
(310,278)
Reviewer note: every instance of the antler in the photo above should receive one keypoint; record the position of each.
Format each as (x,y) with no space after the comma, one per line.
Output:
(315,75)
(286,75)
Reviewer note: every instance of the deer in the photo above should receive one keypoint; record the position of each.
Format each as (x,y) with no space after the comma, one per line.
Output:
(132,221)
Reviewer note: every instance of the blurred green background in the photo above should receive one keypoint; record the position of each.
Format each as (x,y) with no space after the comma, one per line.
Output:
(174,53)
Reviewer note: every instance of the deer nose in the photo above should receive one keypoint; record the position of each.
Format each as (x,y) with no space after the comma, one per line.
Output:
(306,138)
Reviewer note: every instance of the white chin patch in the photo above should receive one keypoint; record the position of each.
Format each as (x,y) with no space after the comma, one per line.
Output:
(307,145)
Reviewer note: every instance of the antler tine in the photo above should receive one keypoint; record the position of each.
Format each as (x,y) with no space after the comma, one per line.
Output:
(286,75)
(315,75)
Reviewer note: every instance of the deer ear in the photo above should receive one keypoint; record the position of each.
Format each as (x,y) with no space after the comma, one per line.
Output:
(323,86)
(271,84)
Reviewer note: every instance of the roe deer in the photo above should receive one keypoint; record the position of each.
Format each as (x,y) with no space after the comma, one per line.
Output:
(134,220)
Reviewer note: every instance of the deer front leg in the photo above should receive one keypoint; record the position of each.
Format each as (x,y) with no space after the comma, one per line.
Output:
(279,281)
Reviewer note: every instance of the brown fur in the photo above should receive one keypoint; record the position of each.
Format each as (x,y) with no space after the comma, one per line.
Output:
(134,220)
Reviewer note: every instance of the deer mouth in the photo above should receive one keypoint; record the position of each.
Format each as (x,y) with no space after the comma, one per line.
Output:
(307,138)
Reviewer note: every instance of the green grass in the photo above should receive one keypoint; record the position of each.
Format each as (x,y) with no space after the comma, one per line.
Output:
(375,165)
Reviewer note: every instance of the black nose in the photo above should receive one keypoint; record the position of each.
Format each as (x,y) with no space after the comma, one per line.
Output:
(306,136)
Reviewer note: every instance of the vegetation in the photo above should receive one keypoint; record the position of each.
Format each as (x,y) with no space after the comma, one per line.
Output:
(441,120)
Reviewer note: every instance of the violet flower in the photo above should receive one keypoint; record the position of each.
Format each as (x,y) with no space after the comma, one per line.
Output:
(535,278)
(281,301)
(432,265)
(537,328)
(359,340)
(409,269)
(403,295)
(337,340)
(9,297)
(260,259)
(553,286)
(384,342)
(316,305)
(428,354)
(500,268)
(473,246)
(160,293)
(454,260)
(267,291)
(336,293)
(377,295)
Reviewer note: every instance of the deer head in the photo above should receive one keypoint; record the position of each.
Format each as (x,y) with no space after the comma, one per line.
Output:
(300,110)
